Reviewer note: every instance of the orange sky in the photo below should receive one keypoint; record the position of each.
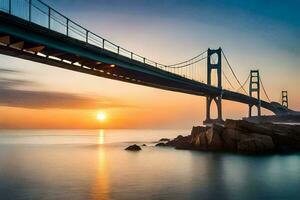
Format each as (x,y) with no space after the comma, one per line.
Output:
(126,105)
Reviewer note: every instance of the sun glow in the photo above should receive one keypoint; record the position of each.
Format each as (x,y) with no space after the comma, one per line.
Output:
(101,116)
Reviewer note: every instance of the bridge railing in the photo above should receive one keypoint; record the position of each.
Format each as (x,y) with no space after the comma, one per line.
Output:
(38,12)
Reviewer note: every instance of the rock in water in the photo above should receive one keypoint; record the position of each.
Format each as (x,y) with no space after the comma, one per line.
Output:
(214,137)
(133,148)
(161,145)
(240,136)
(164,140)
(180,142)
(257,144)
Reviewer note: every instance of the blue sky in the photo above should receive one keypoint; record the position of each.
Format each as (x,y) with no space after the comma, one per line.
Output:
(271,24)
(276,21)
(260,34)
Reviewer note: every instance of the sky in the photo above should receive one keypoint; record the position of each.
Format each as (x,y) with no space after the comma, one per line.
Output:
(254,34)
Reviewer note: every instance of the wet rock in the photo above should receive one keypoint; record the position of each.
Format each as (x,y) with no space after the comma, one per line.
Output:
(232,136)
(133,148)
(241,136)
(164,140)
(175,141)
(197,130)
(144,145)
(248,127)
(258,144)
(283,136)
(179,137)
(198,138)
(214,138)
(201,141)
(161,145)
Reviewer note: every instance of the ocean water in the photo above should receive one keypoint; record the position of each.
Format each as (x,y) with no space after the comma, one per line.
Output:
(92,164)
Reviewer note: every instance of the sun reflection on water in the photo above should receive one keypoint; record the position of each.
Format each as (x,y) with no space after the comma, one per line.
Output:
(101,136)
(101,187)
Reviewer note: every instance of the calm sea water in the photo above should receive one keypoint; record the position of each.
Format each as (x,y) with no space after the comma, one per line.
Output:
(91,164)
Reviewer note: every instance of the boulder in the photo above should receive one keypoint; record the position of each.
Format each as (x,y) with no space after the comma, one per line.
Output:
(179,137)
(133,148)
(164,140)
(175,141)
(296,129)
(213,137)
(144,145)
(238,130)
(202,139)
(196,130)
(181,142)
(196,139)
(231,137)
(257,144)
(241,136)
(250,127)
(195,134)
(161,145)
(284,136)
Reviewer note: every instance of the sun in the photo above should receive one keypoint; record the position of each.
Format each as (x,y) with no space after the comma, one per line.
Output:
(101,116)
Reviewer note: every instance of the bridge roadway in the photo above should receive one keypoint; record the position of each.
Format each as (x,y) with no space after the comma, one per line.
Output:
(30,41)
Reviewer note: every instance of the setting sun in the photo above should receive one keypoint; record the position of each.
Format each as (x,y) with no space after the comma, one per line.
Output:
(101,116)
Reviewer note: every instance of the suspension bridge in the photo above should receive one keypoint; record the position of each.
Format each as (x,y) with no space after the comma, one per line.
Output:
(32,30)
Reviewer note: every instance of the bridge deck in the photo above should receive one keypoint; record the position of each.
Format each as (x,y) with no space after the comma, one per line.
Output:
(27,40)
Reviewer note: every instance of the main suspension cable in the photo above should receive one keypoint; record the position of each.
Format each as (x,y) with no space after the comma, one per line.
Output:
(233,71)
(174,65)
(186,65)
(244,83)
(264,89)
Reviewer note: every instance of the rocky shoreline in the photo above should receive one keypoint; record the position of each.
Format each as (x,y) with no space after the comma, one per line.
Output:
(240,136)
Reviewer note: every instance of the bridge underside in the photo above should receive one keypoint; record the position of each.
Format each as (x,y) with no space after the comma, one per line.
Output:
(19,38)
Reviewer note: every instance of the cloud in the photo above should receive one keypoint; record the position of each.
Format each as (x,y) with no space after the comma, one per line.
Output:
(12,97)
(2,70)
(46,100)
(11,83)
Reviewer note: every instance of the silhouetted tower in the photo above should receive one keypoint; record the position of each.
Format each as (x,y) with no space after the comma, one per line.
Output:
(254,89)
(284,99)
(217,65)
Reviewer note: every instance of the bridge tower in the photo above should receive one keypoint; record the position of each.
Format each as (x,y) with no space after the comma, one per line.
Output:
(284,99)
(216,98)
(254,88)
